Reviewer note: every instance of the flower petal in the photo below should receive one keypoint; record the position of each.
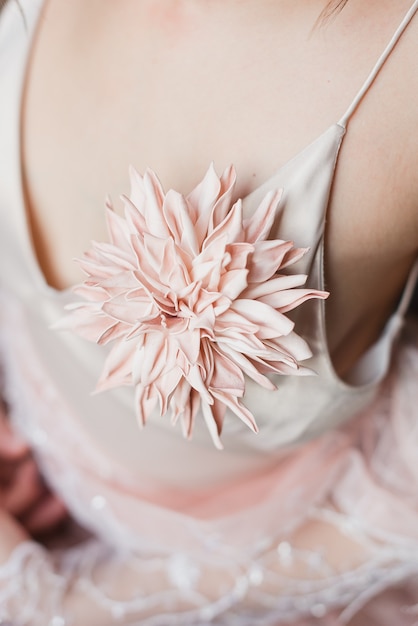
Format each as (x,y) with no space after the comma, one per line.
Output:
(117,370)
(233,283)
(230,227)
(181,225)
(153,206)
(227,376)
(267,259)
(257,291)
(248,367)
(289,299)
(236,407)
(212,423)
(259,225)
(270,322)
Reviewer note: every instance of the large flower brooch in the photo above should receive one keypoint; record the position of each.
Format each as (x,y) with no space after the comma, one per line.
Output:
(191,296)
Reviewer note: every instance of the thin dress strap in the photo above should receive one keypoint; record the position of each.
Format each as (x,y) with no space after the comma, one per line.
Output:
(383,58)
(408,291)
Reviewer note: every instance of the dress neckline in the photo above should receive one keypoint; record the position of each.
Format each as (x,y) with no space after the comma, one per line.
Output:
(32,25)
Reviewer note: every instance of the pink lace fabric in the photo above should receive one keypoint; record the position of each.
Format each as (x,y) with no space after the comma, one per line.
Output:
(328,535)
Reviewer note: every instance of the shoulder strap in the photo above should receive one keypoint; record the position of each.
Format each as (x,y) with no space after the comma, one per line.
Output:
(381,61)
(408,291)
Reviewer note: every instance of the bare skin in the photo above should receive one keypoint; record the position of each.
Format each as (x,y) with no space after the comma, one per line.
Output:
(175,84)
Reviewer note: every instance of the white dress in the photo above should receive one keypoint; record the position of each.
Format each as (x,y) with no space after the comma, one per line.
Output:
(181,533)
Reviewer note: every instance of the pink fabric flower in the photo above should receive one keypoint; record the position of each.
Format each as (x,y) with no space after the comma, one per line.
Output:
(189,293)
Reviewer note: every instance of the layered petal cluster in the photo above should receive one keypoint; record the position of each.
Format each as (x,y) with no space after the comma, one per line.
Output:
(191,296)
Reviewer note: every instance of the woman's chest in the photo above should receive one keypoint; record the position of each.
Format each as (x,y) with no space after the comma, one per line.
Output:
(175,92)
